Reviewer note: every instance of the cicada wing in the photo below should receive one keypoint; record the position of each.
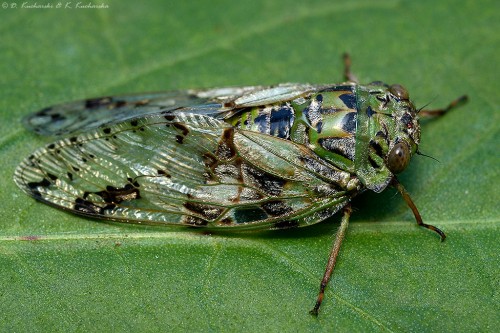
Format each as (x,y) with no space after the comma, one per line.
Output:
(186,169)
(85,115)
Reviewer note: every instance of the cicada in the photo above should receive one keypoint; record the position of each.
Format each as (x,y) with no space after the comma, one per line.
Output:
(243,158)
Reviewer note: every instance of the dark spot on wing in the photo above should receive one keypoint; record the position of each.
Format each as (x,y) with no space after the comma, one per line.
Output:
(249,214)
(116,195)
(195,221)
(226,149)
(133,182)
(227,170)
(52,177)
(44,112)
(319,168)
(269,184)
(56,117)
(119,104)
(276,208)
(207,211)
(225,221)
(183,128)
(210,160)
(33,186)
(163,173)
(285,225)
(87,207)
(94,103)
(110,206)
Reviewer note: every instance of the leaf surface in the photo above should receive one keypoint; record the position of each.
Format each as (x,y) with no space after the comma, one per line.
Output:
(63,272)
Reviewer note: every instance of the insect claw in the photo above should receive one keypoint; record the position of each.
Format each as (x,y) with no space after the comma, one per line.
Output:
(314,311)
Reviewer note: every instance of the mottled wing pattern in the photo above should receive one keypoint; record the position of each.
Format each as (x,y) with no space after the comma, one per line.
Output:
(82,116)
(183,168)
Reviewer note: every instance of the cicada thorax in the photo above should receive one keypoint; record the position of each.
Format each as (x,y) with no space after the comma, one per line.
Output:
(324,121)
(329,125)
(368,132)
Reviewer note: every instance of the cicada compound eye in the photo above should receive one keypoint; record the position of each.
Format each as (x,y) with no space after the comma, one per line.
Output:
(399,91)
(399,157)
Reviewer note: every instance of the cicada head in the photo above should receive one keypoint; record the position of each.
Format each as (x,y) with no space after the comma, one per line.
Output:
(406,137)
(388,133)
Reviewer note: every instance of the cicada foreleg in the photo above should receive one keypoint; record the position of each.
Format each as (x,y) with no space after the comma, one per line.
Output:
(439,112)
(414,209)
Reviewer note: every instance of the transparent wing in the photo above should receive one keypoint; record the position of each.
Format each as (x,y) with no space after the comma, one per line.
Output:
(187,169)
(85,115)
(82,116)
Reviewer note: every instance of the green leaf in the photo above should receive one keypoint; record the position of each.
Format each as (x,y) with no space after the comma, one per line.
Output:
(61,272)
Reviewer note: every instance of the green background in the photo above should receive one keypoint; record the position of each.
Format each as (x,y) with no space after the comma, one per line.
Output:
(66,273)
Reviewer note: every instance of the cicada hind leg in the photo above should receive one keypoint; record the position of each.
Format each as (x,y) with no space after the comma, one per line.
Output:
(332,259)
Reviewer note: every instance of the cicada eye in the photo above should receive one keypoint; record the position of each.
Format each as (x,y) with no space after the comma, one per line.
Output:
(399,157)
(399,91)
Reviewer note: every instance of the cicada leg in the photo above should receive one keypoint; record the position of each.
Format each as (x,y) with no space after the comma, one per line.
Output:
(333,258)
(348,75)
(439,112)
(414,209)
